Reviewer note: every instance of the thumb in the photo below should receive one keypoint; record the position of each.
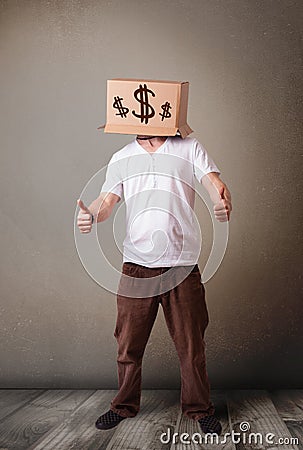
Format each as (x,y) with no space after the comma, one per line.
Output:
(82,206)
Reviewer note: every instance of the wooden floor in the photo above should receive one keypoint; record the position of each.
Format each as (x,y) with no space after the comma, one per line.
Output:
(64,419)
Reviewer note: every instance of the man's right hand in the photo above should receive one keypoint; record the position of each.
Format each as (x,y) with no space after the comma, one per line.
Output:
(84,220)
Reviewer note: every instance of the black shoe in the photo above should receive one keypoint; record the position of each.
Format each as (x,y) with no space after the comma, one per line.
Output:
(209,424)
(108,420)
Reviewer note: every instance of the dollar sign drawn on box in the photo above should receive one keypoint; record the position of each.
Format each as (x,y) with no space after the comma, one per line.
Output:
(122,110)
(146,110)
(165,114)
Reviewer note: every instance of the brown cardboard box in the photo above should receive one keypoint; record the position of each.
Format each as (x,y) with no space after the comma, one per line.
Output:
(147,107)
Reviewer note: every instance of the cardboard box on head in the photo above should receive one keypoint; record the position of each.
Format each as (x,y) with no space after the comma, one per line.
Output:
(147,107)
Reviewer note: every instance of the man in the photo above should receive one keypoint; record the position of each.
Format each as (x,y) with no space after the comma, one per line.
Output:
(165,166)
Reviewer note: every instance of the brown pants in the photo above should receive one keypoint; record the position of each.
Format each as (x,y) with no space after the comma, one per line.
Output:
(186,317)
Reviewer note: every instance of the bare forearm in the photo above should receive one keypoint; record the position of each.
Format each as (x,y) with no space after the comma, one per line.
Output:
(101,208)
(219,194)
(213,185)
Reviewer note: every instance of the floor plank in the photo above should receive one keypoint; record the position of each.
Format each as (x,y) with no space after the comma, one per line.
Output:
(296,430)
(13,399)
(78,431)
(22,428)
(158,413)
(289,404)
(257,409)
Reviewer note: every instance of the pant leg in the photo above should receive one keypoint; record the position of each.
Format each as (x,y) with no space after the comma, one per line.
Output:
(187,318)
(135,319)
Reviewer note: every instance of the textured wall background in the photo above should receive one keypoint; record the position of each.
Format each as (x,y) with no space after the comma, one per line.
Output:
(243,61)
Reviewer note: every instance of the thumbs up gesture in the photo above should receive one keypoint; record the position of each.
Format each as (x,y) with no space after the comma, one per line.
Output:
(84,219)
(223,207)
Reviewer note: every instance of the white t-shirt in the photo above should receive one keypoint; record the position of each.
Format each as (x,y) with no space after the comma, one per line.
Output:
(158,188)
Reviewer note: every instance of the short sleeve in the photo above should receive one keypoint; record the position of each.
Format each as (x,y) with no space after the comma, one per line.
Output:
(113,181)
(202,162)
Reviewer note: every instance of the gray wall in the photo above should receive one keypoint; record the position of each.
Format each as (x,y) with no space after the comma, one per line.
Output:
(243,60)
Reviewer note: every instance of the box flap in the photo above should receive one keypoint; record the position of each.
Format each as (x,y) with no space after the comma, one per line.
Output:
(185,130)
(141,80)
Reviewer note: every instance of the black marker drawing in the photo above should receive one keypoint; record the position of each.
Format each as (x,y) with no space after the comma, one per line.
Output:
(147,111)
